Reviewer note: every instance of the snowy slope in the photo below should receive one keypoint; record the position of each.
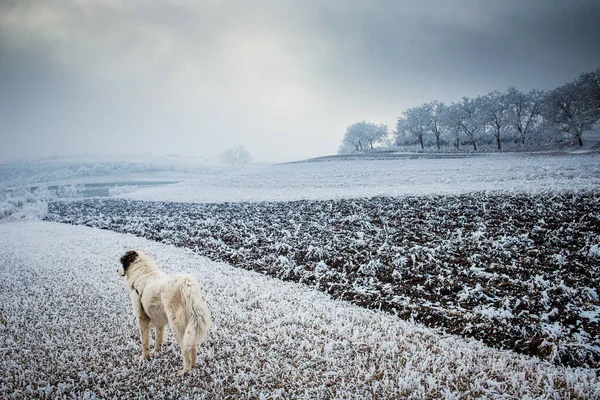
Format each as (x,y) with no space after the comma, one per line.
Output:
(66,329)
(203,181)
(520,172)
(84,169)
(27,186)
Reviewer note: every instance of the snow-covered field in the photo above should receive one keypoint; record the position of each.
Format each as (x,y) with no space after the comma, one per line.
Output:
(66,325)
(202,181)
(66,329)
(515,172)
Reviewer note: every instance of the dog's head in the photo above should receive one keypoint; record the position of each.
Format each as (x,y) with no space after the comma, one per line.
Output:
(127,259)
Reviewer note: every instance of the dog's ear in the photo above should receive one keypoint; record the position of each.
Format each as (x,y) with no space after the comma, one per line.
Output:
(128,259)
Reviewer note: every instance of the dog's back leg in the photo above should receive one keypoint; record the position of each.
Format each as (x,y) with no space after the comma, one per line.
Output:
(178,329)
(186,353)
(193,351)
(160,338)
(188,348)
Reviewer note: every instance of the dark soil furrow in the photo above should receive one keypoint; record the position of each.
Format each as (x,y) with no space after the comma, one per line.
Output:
(517,271)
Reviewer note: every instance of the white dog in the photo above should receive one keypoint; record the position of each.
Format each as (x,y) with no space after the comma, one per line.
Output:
(159,299)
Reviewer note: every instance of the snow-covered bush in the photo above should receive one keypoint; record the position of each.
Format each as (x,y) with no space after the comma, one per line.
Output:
(32,203)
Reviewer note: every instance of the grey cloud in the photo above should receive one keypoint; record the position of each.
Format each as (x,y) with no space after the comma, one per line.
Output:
(475,44)
(282,77)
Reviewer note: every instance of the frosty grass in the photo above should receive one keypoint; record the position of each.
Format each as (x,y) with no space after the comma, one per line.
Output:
(67,330)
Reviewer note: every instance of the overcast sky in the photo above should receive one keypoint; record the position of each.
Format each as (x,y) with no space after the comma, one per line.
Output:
(282,77)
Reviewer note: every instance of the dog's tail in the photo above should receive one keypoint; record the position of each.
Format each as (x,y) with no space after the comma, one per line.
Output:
(198,316)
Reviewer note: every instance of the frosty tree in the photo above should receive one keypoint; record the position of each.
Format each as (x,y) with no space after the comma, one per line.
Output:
(464,117)
(495,114)
(572,108)
(363,135)
(236,156)
(590,86)
(401,135)
(435,124)
(415,123)
(524,111)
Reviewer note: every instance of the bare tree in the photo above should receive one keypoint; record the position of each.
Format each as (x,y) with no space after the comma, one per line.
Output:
(524,110)
(494,112)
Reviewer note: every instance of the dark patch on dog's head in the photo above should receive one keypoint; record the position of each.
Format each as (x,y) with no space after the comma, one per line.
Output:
(128,259)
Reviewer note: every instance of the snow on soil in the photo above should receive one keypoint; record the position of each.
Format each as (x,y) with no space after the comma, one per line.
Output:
(66,330)
(516,271)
